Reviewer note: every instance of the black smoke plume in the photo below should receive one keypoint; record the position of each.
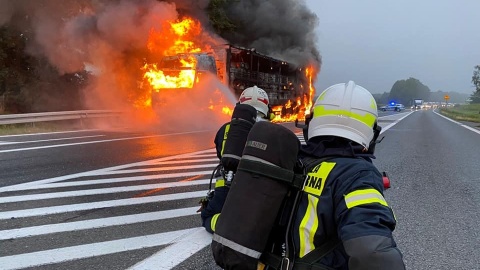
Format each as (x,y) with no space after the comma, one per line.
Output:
(280,28)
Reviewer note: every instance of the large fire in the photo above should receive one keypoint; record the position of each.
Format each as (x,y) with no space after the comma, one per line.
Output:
(161,43)
(298,109)
(176,39)
(184,79)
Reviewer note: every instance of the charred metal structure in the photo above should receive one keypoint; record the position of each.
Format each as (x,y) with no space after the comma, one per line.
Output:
(238,68)
(247,67)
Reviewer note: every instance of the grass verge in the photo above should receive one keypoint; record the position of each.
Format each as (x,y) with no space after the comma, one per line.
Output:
(470,113)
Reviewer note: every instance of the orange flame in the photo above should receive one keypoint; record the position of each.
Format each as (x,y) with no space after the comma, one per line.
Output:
(175,38)
(291,110)
(179,32)
(226,110)
(309,102)
(183,79)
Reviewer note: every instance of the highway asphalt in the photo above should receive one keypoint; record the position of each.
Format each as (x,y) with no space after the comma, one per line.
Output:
(124,199)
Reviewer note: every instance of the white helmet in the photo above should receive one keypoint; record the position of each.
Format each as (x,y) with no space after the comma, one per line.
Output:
(257,98)
(345,110)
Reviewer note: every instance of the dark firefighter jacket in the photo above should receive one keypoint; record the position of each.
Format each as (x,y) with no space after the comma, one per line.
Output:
(210,214)
(343,197)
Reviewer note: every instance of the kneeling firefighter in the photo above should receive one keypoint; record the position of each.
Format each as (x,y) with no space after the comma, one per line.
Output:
(253,106)
(339,219)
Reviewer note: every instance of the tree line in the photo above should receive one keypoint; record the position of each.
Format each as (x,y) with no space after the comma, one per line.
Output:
(32,84)
(475,97)
(405,91)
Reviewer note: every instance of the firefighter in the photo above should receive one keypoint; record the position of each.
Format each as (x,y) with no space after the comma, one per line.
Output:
(343,220)
(211,208)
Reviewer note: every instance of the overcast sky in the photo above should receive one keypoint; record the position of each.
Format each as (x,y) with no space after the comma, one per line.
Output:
(377,42)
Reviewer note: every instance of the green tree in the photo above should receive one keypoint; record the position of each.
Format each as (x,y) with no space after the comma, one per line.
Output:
(405,91)
(32,84)
(475,97)
(16,70)
(218,16)
(382,98)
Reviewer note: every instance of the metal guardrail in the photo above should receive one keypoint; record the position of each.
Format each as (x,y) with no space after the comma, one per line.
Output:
(8,119)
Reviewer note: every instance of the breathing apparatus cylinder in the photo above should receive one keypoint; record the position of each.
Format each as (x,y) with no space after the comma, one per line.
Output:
(256,196)
(243,118)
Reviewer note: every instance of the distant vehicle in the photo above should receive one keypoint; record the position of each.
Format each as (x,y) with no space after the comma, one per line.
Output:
(393,107)
(417,104)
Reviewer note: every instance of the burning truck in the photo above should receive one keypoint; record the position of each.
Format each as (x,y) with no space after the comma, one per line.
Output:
(180,74)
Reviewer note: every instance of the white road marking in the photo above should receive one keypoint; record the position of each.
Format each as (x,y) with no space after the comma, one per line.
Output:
(96,205)
(73,144)
(393,116)
(96,223)
(180,245)
(161,169)
(173,255)
(98,191)
(118,180)
(185,161)
(394,123)
(92,142)
(458,123)
(213,154)
(60,255)
(99,171)
(51,140)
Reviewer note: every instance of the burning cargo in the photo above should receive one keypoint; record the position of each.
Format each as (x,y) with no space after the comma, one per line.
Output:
(289,88)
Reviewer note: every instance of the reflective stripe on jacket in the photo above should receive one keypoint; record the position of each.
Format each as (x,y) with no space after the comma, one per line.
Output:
(221,138)
(343,197)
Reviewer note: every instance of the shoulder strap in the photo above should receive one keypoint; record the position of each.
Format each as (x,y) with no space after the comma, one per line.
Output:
(310,162)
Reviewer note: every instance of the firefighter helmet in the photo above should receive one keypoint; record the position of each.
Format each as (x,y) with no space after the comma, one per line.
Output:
(345,110)
(257,98)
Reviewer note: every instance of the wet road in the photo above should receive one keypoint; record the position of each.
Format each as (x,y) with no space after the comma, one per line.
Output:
(127,200)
